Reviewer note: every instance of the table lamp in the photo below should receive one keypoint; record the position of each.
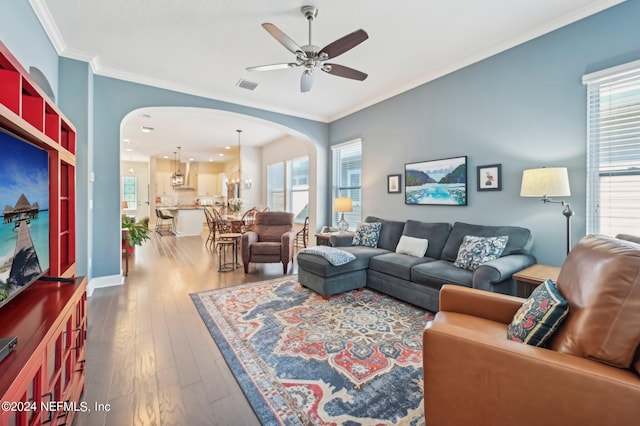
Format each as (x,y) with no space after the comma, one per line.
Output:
(342,205)
(549,182)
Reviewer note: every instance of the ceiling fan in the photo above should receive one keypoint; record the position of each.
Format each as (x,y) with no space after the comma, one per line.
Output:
(311,57)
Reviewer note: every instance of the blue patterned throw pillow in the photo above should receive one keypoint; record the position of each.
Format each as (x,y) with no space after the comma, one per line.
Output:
(367,234)
(539,316)
(474,251)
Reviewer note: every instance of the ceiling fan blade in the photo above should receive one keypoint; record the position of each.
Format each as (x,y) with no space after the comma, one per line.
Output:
(306,81)
(272,67)
(344,44)
(284,39)
(342,71)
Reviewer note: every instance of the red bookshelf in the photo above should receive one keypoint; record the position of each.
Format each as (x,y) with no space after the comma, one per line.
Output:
(49,318)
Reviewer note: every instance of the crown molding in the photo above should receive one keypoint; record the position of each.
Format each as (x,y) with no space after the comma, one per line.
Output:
(44,15)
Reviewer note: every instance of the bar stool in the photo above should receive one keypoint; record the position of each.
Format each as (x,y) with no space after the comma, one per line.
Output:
(164,223)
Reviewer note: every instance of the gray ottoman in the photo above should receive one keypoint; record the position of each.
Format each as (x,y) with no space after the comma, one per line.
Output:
(316,273)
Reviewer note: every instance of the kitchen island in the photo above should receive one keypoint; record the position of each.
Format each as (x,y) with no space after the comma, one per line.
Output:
(188,221)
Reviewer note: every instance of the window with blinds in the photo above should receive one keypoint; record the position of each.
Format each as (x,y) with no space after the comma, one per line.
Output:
(288,187)
(347,179)
(613,150)
(298,188)
(275,187)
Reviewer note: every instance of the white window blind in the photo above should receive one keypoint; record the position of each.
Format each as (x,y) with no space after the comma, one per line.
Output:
(275,187)
(347,179)
(613,150)
(298,188)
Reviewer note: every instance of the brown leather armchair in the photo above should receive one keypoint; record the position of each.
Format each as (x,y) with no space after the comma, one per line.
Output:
(271,241)
(588,375)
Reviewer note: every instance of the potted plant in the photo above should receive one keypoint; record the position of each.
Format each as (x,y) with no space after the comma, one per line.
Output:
(137,232)
(236,205)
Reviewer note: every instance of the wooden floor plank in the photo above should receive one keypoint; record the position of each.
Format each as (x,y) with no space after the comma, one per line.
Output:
(146,410)
(198,409)
(150,355)
(172,407)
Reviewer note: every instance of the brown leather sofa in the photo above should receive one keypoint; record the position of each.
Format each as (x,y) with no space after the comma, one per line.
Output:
(588,375)
(271,240)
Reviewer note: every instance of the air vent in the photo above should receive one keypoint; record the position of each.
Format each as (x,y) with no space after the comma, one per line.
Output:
(246,84)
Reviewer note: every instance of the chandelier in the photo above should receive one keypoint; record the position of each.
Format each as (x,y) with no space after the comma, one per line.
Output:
(177,179)
(239,178)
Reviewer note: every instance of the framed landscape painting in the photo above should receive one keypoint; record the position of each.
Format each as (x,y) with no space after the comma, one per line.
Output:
(436,182)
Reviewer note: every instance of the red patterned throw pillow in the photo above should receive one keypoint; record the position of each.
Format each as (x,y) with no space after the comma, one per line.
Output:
(539,316)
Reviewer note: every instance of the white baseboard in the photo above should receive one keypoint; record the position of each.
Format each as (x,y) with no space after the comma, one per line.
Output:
(102,282)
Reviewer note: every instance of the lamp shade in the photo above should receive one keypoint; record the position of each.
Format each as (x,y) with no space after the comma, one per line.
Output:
(547,181)
(124,205)
(342,205)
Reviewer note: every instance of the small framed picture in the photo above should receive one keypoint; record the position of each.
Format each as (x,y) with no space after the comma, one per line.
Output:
(490,177)
(393,184)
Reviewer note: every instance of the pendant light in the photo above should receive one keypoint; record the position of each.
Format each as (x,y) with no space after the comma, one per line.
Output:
(177,179)
(240,178)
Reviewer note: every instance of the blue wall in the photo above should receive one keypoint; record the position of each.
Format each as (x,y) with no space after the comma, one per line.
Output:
(76,87)
(21,32)
(523,108)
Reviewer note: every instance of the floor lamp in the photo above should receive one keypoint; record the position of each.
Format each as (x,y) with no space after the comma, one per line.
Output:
(549,182)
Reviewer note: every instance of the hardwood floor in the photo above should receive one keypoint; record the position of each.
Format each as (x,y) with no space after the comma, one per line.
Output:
(149,354)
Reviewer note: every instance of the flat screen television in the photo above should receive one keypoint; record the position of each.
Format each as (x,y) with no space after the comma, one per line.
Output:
(24,230)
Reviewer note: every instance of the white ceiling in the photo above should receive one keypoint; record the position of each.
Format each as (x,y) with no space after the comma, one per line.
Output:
(203,46)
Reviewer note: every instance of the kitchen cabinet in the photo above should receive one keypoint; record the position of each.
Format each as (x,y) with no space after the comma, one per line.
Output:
(211,184)
(207,185)
(163,183)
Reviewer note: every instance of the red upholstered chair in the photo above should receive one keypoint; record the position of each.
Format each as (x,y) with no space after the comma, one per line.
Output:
(271,240)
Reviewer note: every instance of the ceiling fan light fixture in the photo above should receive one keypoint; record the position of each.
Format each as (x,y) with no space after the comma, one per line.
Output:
(310,56)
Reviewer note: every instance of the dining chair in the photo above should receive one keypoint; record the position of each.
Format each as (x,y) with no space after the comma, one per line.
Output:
(302,236)
(248,220)
(211,225)
(226,211)
(222,225)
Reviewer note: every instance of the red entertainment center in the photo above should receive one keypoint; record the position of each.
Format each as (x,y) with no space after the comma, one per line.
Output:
(42,379)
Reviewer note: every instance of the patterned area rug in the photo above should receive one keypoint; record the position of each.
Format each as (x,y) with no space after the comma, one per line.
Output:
(355,359)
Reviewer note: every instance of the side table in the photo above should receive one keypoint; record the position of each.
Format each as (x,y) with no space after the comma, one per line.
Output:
(529,278)
(323,239)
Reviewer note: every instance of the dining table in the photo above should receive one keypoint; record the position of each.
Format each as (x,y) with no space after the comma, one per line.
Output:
(236,222)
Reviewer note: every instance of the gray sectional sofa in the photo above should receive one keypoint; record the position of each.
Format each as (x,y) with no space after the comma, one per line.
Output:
(418,280)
